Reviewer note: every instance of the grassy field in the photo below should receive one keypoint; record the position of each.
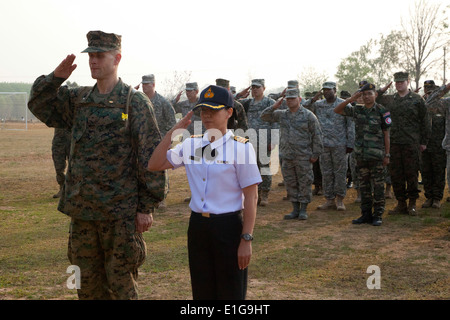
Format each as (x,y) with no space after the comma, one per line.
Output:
(325,257)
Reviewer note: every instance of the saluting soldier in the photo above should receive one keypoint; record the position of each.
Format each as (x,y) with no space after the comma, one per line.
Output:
(185,106)
(254,107)
(372,124)
(409,136)
(338,139)
(109,193)
(300,147)
(239,118)
(223,176)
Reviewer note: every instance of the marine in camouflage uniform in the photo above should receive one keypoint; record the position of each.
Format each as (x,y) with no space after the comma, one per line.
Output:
(434,158)
(338,138)
(409,134)
(371,151)
(60,155)
(262,140)
(109,193)
(300,146)
(196,127)
(435,99)
(165,117)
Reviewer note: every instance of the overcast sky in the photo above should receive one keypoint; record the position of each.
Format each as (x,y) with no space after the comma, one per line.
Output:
(234,39)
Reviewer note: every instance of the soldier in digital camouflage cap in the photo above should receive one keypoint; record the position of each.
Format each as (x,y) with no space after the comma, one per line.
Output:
(109,194)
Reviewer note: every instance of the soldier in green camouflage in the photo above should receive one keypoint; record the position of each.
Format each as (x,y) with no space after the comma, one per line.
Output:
(254,107)
(409,136)
(109,193)
(60,155)
(371,151)
(300,146)
(434,158)
(165,116)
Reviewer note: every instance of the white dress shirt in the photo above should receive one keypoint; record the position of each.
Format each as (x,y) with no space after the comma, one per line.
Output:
(217,178)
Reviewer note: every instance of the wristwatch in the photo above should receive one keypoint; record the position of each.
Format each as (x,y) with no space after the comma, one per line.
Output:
(387,155)
(247,237)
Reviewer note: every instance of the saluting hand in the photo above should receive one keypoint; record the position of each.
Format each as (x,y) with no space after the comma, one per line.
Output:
(383,90)
(66,67)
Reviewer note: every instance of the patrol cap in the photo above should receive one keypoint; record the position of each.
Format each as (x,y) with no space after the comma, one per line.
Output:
(233,89)
(191,86)
(401,76)
(292,84)
(429,84)
(363,83)
(149,78)
(292,93)
(99,41)
(258,82)
(329,85)
(367,87)
(223,83)
(345,94)
(309,95)
(215,97)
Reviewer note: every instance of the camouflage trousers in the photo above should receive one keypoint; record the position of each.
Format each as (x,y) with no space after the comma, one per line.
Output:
(108,254)
(298,177)
(371,184)
(333,164)
(433,173)
(263,161)
(404,170)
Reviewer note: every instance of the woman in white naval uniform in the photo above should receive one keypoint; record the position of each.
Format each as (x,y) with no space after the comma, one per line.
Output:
(223,177)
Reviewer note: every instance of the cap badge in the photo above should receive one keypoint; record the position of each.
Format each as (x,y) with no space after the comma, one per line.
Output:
(209,94)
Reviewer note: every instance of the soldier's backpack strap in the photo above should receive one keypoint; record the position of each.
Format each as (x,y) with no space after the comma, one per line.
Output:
(130,95)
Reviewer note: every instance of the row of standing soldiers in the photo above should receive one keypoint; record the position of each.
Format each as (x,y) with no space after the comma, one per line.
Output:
(315,131)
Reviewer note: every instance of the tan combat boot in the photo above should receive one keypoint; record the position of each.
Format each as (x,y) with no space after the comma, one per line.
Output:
(340,203)
(264,198)
(358,196)
(436,204)
(330,204)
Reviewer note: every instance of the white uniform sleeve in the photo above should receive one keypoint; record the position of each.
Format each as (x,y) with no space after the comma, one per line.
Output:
(247,168)
(175,156)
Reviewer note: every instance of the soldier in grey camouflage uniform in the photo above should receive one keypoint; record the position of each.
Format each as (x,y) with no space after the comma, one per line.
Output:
(60,154)
(435,99)
(434,158)
(263,147)
(109,193)
(338,139)
(372,124)
(196,127)
(300,146)
(409,136)
(165,117)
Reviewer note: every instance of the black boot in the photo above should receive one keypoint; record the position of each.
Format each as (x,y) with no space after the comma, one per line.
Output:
(366,217)
(294,214)
(302,214)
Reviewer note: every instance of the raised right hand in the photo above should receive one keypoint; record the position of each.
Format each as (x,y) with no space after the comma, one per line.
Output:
(66,67)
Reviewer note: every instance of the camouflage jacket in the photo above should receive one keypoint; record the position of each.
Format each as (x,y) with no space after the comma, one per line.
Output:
(255,122)
(107,176)
(370,125)
(436,104)
(164,113)
(338,131)
(410,121)
(300,136)
(239,118)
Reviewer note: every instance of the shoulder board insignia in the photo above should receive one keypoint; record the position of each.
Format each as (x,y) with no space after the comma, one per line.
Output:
(240,139)
(197,136)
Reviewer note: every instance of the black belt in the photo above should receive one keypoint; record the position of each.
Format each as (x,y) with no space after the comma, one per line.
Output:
(214,215)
